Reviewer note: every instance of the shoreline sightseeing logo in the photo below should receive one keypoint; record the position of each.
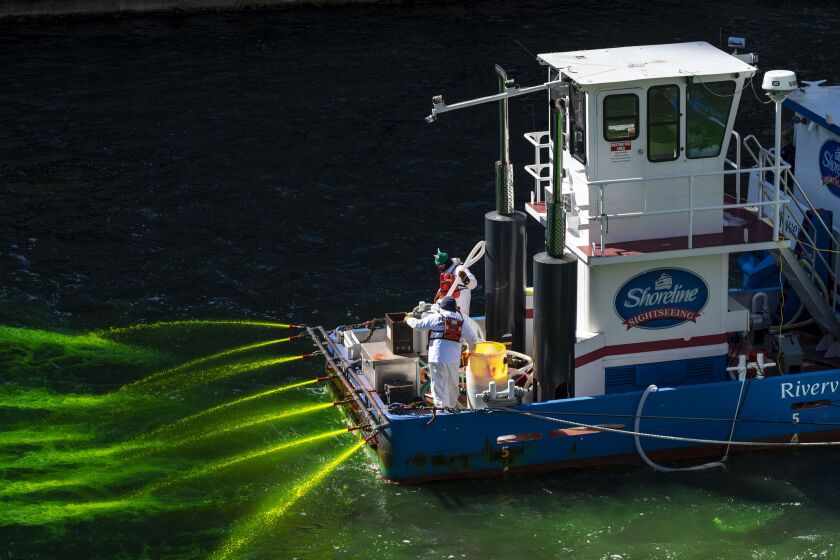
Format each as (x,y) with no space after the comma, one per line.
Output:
(661,298)
(830,166)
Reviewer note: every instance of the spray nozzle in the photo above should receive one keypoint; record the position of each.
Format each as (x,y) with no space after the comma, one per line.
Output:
(357,427)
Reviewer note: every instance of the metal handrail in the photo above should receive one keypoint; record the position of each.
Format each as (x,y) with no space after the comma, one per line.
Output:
(535,138)
(682,175)
(602,216)
(788,175)
(690,209)
(813,252)
(795,192)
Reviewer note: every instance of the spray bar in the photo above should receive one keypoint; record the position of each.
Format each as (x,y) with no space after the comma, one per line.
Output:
(439,106)
(321,339)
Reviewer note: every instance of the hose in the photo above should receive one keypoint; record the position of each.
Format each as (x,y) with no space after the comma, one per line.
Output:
(652,389)
(790,324)
(475,255)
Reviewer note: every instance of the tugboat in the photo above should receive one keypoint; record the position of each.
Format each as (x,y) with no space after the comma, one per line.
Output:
(636,342)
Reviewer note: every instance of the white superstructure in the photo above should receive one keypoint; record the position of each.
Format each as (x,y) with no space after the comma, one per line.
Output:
(647,134)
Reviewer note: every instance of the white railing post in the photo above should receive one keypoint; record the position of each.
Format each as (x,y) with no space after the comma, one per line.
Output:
(738,165)
(601,215)
(537,182)
(778,172)
(691,212)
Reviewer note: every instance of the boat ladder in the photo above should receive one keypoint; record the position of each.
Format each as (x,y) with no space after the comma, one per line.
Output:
(803,264)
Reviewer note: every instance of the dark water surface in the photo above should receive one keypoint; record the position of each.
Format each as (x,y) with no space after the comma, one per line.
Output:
(274,166)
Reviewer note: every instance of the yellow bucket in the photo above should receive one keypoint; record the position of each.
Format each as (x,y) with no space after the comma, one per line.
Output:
(487,363)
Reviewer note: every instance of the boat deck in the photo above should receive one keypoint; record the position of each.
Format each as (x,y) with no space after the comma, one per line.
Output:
(743,230)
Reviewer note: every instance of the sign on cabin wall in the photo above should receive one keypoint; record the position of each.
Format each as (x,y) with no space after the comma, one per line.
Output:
(620,151)
(661,298)
(830,166)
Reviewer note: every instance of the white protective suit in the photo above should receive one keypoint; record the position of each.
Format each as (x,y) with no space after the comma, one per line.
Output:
(462,292)
(444,355)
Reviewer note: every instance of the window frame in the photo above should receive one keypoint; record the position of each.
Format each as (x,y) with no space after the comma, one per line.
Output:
(730,96)
(577,149)
(677,122)
(604,119)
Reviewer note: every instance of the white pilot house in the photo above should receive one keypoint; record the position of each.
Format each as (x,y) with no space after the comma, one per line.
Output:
(647,131)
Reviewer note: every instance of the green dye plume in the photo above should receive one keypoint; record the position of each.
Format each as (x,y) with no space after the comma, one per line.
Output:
(33,348)
(98,478)
(191,323)
(92,478)
(243,425)
(745,522)
(276,508)
(41,436)
(218,466)
(12,513)
(159,376)
(106,454)
(189,378)
(144,445)
(39,399)
(237,402)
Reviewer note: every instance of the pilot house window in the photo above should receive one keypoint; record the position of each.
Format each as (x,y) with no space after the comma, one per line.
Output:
(663,123)
(707,112)
(621,117)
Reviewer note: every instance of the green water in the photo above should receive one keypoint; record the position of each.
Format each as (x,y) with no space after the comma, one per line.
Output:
(215,442)
(196,427)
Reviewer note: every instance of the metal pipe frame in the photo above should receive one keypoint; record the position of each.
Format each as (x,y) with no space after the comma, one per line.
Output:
(377,424)
(438,105)
(504,136)
(777,176)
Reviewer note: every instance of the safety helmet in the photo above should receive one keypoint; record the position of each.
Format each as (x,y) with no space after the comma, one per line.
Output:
(448,303)
(441,257)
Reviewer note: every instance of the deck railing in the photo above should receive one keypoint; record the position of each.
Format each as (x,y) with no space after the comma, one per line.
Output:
(806,226)
(602,215)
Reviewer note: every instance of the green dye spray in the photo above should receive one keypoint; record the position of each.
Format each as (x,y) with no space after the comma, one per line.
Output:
(191,323)
(240,401)
(276,508)
(161,376)
(189,378)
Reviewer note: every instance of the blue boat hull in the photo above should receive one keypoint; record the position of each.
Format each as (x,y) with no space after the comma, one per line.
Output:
(479,443)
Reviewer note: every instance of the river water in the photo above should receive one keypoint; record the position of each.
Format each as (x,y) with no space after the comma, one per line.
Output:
(275,167)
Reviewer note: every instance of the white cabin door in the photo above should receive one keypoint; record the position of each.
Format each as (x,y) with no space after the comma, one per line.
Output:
(621,135)
(620,140)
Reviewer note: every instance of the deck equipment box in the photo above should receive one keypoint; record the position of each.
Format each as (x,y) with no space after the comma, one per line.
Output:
(399,335)
(380,366)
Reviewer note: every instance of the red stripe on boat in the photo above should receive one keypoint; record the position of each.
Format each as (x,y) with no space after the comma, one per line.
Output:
(655,346)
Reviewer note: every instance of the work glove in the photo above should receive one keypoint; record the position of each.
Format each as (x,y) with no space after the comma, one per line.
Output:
(463,276)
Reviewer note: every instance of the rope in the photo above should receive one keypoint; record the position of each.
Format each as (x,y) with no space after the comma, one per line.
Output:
(671,438)
(735,416)
(703,418)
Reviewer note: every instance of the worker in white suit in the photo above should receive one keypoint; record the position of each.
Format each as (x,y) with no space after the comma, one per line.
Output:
(447,327)
(453,272)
